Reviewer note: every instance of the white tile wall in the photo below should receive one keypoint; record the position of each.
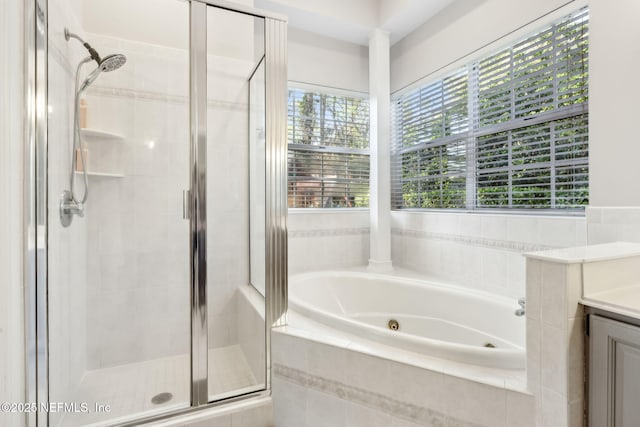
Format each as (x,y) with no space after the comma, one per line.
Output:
(67,263)
(612,224)
(316,383)
(555,335)
(482,251)
(321,240)
(138,257)
(137,239)
(249,315)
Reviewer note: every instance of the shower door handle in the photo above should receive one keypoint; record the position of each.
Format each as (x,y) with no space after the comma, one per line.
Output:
(186,204)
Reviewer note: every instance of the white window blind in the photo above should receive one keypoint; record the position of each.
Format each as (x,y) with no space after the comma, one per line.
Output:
(507,131)
(328,150)
(431,127)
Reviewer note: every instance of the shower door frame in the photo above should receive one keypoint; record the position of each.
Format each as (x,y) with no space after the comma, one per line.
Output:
(36,201)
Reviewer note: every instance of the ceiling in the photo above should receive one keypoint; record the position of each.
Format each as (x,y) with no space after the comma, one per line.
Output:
(353,20)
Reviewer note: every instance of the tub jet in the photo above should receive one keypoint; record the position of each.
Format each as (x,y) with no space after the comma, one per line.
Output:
(161,398)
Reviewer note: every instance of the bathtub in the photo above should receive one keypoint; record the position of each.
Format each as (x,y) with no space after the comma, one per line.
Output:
(437,320)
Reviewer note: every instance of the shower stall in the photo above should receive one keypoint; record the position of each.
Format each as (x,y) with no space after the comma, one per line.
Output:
(152,293)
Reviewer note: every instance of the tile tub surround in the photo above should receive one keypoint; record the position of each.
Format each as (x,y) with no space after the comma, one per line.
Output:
(325,378)
(321,239)
(555,335)
(322,377)
(612,224)
(251,329)
(478,250)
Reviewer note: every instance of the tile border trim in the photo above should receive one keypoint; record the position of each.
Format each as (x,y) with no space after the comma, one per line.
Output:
(141,95)
(507,245)
(407,411)
(332,232)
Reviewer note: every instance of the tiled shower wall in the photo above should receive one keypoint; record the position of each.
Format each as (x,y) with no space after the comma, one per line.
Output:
(138,239)
(479,251)
(138,287)
(67,247)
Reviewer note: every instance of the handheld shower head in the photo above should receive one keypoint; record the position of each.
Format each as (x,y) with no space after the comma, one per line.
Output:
(107,64)
(112,62)
(70,204)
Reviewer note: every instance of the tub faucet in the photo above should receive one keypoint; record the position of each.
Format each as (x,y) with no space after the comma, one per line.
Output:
(520,312)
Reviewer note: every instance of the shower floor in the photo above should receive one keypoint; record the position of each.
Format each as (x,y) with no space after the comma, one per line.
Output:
(128,389)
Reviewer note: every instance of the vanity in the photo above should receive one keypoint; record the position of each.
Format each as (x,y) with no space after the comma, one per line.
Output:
(611,296)
(583,335)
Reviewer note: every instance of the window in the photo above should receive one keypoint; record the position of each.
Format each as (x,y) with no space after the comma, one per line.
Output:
(328,150)
(508,131)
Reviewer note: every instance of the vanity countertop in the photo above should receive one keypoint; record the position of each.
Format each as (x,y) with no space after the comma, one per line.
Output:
(624,300)
(588,254)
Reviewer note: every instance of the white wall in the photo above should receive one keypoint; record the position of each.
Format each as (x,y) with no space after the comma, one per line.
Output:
(11,249)
(328,62)
(460,30)
(614,59)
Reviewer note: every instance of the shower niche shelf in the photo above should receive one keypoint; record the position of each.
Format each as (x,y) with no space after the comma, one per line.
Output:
(105,151)
(100,135)
(101,174)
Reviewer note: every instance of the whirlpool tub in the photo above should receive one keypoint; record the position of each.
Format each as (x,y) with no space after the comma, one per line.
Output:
(437,320)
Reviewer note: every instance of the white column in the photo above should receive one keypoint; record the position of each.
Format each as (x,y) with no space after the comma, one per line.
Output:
(380,143)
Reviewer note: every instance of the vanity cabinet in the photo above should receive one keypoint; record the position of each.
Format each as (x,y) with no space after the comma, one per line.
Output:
(614,373)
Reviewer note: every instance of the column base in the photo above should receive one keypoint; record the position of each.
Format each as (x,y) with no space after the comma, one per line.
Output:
(380,266)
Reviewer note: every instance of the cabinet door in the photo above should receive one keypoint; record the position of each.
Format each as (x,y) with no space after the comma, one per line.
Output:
(614,374)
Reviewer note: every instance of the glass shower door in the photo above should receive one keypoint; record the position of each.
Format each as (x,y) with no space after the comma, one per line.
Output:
(118,283)
(236,342)
(148,297)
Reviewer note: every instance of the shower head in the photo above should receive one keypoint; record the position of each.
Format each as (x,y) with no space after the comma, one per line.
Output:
(112,62)
(109,63)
